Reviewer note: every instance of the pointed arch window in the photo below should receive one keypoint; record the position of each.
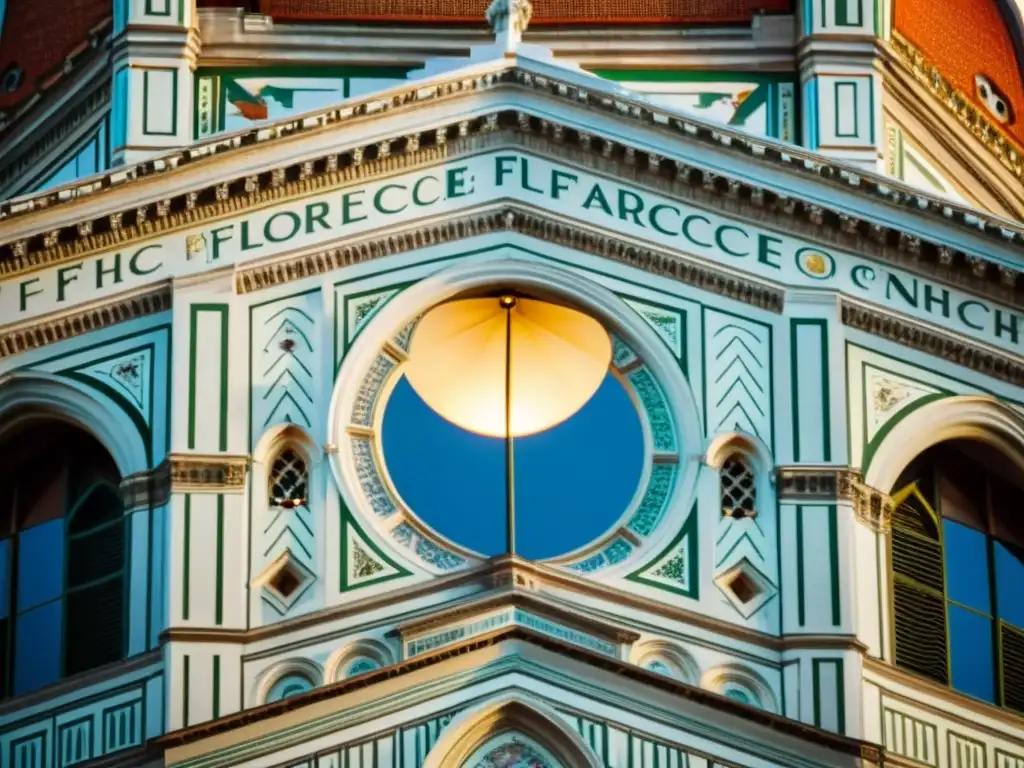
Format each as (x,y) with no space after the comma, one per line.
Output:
(62,557)
(738,487)
(958,563)
(288,483)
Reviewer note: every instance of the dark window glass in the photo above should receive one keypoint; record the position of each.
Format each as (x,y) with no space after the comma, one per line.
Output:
(37,647)
(970,651)
(40,564)
(62,555)
(976,571)
(966,566)
(5,579)
(1010,584)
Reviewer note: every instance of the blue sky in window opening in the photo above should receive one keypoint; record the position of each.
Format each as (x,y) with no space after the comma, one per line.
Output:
(572,481)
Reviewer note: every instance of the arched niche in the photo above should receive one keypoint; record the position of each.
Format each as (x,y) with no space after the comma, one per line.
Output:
(969,417)
(30,395)
(357,658)
(668,659)
(305,670)
(476,729)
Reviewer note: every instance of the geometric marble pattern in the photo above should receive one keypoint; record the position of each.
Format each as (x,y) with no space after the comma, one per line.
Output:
(284,361)
(676,567)
(738,378)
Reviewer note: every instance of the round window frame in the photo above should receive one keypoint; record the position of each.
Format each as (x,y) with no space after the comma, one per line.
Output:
(370,371)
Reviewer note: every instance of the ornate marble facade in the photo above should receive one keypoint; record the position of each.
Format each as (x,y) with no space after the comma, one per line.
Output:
(227,315)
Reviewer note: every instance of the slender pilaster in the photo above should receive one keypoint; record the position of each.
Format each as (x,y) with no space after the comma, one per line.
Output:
(842,92)
(156,43)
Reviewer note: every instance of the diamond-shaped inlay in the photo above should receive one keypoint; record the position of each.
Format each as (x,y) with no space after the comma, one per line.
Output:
(745,587)
(284,581)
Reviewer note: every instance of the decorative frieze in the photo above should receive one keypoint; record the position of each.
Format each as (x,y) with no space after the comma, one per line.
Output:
(766,151)
(529,222)
(807,485)
(934,342)
(49,331)
(197,473)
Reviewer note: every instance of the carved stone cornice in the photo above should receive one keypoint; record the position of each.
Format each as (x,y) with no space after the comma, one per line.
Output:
(235,195)
(987,131)
(39,333)
(147,490)
(514,218)
(208,473)
(934,342)
(808,485)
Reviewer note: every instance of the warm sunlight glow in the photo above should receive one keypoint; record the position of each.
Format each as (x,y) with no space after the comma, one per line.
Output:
(457,363)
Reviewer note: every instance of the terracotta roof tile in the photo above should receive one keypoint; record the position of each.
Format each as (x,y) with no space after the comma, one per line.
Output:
(39,35)
(964,38)
(545,12)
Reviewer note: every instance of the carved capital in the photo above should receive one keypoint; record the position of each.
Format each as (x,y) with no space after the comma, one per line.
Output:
(215,473)
(872,508)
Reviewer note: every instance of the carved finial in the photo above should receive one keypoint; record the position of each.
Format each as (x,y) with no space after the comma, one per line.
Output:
(508,20)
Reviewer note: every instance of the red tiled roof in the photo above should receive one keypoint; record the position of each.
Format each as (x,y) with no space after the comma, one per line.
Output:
(39,35)
(964,38)
(544,12)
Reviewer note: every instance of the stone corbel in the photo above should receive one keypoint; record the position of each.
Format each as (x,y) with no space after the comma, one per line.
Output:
(802,484)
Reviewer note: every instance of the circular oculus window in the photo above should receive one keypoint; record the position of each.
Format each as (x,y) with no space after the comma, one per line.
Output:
(502,399)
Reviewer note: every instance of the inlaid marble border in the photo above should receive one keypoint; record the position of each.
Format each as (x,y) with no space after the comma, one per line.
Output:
(616,545)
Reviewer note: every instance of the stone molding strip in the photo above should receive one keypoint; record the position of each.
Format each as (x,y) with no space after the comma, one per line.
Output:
(933,342)
(234,194)
(184,473)
(995,140)
(147,490)
(515,218)
(208,473)
(68,326)
(808,485)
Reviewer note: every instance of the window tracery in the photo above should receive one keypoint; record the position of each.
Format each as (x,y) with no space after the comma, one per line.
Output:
(738,487)
(289,480)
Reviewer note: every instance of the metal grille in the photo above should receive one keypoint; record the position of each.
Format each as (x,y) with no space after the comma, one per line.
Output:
(739,488)
(288,480)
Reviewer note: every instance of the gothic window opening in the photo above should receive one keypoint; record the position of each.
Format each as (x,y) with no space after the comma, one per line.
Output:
(289,480)
(63,556)
(738,487)
(958,563)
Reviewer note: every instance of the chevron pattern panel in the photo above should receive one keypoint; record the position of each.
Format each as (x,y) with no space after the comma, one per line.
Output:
(737,361)
(285,367)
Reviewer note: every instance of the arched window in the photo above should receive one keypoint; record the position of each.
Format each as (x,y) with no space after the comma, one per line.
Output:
(739,487)
(62,556)
(958,571)
(289,480)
